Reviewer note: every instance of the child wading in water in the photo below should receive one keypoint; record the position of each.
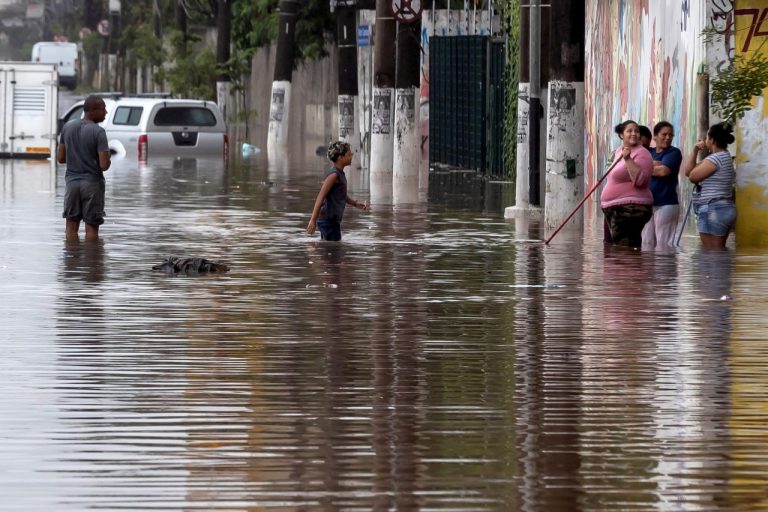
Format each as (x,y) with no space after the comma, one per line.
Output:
(333,198)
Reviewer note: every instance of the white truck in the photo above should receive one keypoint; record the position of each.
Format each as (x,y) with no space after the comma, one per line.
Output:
(29,105)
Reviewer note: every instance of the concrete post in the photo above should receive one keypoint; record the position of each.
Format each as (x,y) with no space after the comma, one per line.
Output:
(346,35)
(223,80)
(565,114)
(383,96)
(534,102)
(280,105)
(407,144)
(522,208)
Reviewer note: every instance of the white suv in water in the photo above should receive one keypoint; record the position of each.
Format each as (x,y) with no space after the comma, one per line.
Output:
(153,127)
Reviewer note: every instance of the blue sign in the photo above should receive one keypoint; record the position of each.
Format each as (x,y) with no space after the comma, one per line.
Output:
(363,35)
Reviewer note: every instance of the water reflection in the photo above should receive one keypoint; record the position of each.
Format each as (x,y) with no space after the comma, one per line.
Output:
(437,358)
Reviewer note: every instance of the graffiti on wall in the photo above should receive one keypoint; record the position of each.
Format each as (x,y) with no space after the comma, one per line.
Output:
(721,23)
(751,39)
(757,27)
(641,64)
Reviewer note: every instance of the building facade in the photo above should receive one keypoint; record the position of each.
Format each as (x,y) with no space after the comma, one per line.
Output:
(642,62)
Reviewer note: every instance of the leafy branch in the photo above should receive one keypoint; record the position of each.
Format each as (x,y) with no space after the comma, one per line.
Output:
(746,76)
(733,89)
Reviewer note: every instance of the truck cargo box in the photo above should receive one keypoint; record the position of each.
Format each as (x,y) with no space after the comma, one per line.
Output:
(28,109)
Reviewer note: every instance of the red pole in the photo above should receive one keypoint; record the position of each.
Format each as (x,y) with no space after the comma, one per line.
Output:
(573,212)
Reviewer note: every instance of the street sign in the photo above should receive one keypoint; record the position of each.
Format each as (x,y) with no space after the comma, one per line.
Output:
(103,27)
(406,11)
(363,35)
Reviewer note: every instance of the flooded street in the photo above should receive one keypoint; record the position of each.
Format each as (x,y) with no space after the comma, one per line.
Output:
(436,359)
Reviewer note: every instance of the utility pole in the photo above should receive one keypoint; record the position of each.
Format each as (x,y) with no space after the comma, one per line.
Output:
(114,75)
(522,209)
(383,92)
(565,113)
(280,104)
(346,35)
(407,143)
(534,103)
(223,39)
(180,16)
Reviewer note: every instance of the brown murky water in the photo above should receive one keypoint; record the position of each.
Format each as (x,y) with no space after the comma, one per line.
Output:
(435,359)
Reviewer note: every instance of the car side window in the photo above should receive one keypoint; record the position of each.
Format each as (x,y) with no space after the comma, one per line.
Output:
(127,116)
(185,116)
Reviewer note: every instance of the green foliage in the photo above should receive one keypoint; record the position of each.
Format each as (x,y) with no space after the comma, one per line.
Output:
(193,72)
(255,24)
(145,48)
(92,46)
(511,15)
(315,29)
(733,89)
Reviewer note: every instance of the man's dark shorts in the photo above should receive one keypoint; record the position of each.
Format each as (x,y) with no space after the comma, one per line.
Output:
(84,200)
(329,230)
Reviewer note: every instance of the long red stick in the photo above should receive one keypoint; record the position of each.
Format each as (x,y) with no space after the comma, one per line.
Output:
(546,242)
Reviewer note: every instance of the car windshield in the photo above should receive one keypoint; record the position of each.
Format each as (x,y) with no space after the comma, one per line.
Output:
(76,113)
(185,116)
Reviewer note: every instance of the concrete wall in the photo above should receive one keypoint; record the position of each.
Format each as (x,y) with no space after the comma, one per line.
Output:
(642,57)
(751,36)
(313,119)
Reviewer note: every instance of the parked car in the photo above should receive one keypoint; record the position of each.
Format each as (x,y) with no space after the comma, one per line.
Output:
(64,55)
(76,110)
(146,127)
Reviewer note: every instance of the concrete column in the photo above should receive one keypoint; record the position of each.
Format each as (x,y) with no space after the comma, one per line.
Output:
(565,115)
(406,155)
(382,140)
(407,147)
(522,208)
(346,35)
(279,110)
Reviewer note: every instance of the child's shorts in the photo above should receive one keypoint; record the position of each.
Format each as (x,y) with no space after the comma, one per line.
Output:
(329,230)
(716,217)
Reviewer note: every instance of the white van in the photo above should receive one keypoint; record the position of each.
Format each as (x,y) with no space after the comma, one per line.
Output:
(64,55)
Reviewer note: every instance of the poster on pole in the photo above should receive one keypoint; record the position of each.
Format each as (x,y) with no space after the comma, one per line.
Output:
(346,116)
(278,105)
(406,105)
(382,111)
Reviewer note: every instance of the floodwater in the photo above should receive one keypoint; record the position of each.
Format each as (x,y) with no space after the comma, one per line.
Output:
(439,358)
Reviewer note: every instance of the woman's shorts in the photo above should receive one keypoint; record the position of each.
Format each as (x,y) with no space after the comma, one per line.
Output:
(716,217)
(329,230)
(84,200)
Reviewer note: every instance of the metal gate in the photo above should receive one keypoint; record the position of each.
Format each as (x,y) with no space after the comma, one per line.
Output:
(466,102)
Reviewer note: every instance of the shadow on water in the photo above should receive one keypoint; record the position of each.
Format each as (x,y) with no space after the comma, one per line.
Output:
(433,359)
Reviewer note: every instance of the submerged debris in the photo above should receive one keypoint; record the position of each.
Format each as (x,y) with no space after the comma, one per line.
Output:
(177,265)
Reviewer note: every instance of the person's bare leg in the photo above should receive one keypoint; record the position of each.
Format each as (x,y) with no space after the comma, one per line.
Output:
(712,241)
(73,226)
(91,232)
